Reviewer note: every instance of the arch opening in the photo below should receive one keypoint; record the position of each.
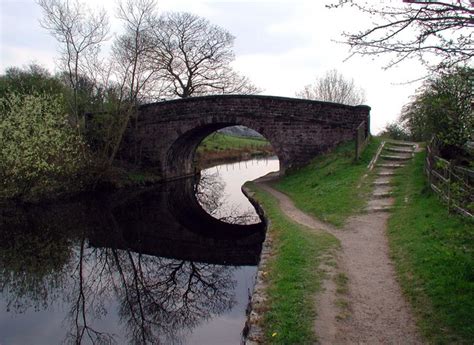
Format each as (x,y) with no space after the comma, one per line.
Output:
(182,159)
(231,144)
(225,158)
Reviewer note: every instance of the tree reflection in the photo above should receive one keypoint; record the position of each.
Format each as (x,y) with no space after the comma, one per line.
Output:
(210,194)
(159,299)
(154,308)
(90,261)
(89,289)
(33,263)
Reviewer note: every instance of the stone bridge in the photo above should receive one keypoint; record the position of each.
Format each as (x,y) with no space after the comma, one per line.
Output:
(166,134)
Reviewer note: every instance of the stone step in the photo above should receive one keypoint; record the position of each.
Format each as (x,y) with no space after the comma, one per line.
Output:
(381,203)
(381,189)
(401,143)
(399,150)
(395,158)
(381,183)
(378,209)
(386,173)
(390,165)
(381,195)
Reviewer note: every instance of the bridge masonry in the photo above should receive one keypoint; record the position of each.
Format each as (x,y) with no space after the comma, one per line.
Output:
(166,134)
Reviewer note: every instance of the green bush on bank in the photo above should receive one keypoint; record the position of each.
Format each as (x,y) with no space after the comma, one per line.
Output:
(38,147)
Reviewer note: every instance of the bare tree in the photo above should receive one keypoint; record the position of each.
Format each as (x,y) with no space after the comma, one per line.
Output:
(80,33)
(194,57)
(333,87)
(131,50)
(419,28)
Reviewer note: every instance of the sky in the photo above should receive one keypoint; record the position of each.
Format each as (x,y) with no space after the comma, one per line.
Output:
(281,45)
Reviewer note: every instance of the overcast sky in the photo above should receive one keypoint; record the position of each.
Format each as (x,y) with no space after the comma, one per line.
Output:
(281,45)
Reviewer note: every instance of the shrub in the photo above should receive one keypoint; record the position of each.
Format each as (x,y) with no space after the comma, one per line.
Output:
(38,146)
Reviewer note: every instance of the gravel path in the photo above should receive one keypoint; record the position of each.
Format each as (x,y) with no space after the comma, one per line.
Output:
(377,312)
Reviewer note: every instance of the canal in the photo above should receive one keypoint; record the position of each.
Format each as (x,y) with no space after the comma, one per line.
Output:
(171,264)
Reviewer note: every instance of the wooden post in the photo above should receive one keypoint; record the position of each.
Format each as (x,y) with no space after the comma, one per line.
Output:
(358,142)
(357,145)
(449,187)
(428,164)
(428,170)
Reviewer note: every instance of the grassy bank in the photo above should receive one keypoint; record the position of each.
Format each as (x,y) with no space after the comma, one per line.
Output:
(221,142)
(220,147)
(434,256)
(327,188)
(293,279)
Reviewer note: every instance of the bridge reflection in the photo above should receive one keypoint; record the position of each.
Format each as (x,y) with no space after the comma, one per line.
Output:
(168,221)
(165,221)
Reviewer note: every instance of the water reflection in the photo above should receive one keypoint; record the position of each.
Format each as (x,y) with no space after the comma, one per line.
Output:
(219,189)
(146,268)
(210,193)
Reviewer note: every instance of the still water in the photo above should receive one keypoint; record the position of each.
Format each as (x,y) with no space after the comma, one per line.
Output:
(172,264)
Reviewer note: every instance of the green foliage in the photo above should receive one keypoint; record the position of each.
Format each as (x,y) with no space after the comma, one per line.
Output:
(442,107)
(395,131)
(434,257)
(293,276)
(92,96)
(38,147)
(29,80)
(327,188)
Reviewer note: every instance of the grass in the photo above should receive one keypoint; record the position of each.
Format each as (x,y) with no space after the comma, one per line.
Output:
(222,142)
(327,188)
(293,276)
(342,289)
(341,281)
(434,256)
(220,148)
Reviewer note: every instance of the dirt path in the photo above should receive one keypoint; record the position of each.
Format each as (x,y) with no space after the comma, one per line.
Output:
(377,312)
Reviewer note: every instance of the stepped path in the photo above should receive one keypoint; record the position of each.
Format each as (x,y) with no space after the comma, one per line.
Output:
(372,309)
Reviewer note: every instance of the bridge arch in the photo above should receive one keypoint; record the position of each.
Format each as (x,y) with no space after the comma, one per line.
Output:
(181,155)
(167,134)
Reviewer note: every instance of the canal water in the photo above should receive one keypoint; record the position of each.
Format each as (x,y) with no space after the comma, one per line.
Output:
(172,264)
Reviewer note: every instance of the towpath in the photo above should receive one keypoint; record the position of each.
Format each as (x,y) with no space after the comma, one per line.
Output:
(373,310)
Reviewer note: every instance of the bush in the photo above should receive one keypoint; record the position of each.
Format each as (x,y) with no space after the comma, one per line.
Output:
(38,146)
(395,131)
(442,107)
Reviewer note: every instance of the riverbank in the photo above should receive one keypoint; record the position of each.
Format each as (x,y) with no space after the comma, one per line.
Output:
(216,149)
(290,274)
(223,148)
